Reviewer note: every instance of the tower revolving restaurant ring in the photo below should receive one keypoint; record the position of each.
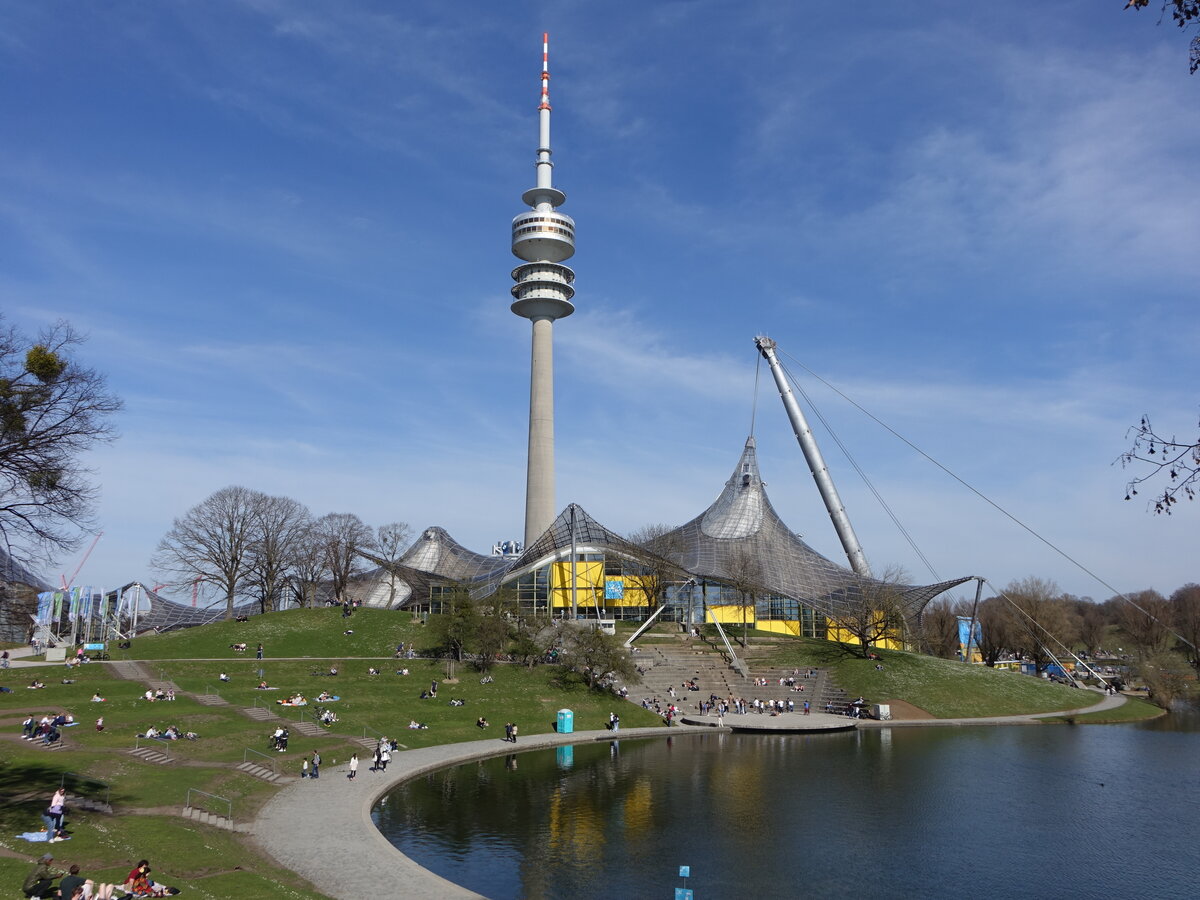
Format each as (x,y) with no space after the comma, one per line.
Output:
(543,235)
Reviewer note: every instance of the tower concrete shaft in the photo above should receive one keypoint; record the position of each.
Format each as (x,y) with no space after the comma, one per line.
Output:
(542,238)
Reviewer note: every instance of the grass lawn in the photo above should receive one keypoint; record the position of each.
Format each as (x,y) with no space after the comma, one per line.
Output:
(216,864)
(1133,710)
(945,688)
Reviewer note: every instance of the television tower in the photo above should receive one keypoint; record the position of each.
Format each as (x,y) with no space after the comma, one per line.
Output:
(542,237)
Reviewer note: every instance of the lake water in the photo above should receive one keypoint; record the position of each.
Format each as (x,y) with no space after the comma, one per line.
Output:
(1001,811)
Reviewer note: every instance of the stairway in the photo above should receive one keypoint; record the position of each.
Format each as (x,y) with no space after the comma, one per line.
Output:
(670,665)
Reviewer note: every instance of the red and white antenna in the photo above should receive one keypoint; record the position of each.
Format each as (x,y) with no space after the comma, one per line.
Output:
(545,70)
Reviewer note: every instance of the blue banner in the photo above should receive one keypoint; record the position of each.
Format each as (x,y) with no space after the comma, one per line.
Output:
(965,636)
(614,589)
(45,602)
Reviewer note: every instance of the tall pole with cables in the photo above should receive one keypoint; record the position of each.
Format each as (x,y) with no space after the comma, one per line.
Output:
(816,462)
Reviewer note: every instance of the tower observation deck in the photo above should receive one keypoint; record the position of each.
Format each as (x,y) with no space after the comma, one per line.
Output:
(542,237)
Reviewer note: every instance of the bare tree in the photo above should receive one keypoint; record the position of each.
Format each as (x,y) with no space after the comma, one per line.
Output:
(743,573)
(281,527)
(996,632)
(939,625)
(1185,605)
(310,566)
(52,410)
(1093,627)
(213,541)
(875,611)
(1146,624)
(654,572)
(390,542)
(1040,613)
(342,535)
(1185,14)
(1161,458)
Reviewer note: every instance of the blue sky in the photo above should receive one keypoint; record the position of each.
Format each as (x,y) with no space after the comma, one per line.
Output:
(285,227)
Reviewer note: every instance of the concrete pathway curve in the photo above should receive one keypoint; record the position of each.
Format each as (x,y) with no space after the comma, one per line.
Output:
(322,830)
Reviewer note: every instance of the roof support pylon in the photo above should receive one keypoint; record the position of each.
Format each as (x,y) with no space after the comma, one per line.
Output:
(816,463)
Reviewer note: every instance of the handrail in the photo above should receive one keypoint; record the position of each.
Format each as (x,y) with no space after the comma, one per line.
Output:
(645,625)
(228,803)
(165,745)
(378,734)
(739,666)
(62,783)
(274,763)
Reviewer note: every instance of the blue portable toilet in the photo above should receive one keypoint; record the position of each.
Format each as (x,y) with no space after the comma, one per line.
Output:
(566,721)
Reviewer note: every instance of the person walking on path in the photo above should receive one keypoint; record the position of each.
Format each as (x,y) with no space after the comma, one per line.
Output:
(260,651)
(353,766)
(514,733)
(385,757)
(806,708)
(508,732)
(316,764)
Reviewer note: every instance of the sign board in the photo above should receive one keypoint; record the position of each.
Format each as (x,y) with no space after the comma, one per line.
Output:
(614,589)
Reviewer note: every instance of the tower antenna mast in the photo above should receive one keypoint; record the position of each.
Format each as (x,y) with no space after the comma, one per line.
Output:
(542,238)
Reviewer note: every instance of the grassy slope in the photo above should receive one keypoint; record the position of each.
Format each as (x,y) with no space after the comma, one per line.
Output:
(942,687)
(221,865)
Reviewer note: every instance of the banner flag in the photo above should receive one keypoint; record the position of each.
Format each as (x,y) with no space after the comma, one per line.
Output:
(965,635)
(45,602)
(56,612)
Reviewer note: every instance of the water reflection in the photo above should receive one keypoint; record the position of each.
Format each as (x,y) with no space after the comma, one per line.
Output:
(897,812)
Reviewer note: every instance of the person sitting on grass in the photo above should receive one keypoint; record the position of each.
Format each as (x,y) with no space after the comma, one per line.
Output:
(263,686)
(333,670)
(96,698)
(481,722)
(224,676)
(372,671)
(36,685)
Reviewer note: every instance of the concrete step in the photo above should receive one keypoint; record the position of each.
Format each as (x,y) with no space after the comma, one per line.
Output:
(258,712)
(74,801)
(149,754)
(210,700)
(264,773)
(216,821)
(308,729)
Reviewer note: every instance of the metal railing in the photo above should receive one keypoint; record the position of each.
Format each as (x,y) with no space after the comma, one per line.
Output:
(78,780)
(228,803)
(274,763)
(741,668)
(378,734)
(162,746)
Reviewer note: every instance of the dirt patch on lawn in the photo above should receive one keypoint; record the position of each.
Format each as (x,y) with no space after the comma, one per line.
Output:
(903,710)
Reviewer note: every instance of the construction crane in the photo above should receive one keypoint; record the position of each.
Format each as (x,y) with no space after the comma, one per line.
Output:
(66,584)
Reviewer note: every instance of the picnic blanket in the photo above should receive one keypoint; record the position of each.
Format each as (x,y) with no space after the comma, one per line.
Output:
(38,837)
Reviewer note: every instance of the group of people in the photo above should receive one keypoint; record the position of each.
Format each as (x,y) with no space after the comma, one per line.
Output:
(47,729)
(159,694)
(279,739)
(170,733)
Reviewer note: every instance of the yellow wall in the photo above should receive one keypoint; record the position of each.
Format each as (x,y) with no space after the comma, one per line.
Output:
(730,614)
(589,587)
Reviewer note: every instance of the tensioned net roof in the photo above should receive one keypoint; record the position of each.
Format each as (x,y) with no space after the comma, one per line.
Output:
(738,540)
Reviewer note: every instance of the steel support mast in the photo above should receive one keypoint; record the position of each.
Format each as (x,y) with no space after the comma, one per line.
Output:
(816,463)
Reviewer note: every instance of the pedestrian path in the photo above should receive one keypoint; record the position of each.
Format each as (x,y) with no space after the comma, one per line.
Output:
(334,814)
